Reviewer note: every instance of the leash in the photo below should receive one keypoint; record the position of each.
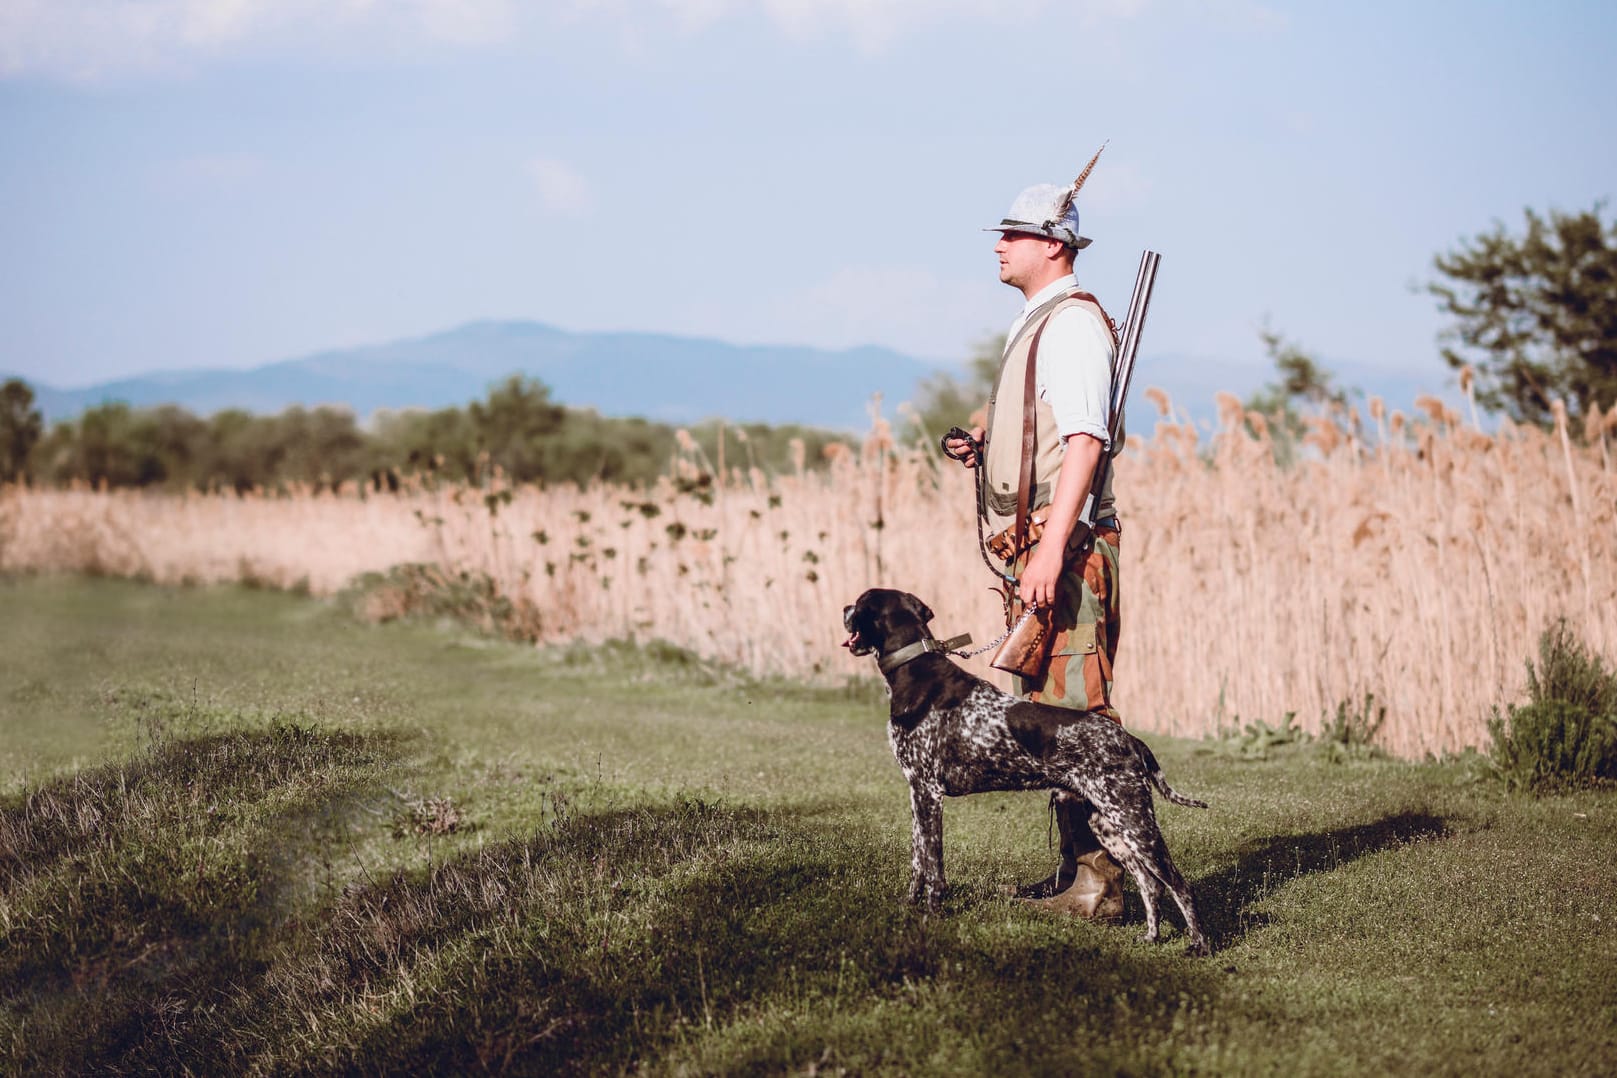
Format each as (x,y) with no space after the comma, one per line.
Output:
(1011,581)
(976,450)
(955,645)
(1004,636)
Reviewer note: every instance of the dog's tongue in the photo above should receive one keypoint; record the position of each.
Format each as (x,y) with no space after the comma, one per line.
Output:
(853,638)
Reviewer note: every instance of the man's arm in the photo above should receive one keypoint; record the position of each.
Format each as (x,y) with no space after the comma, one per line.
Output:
(1077,379)
(1078,463)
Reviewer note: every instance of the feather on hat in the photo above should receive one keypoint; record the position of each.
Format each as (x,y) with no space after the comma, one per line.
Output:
(1049,210)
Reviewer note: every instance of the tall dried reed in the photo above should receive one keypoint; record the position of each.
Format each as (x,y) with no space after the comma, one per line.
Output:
(1414,559)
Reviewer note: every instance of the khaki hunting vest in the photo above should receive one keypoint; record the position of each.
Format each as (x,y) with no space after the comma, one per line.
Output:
(1003,451)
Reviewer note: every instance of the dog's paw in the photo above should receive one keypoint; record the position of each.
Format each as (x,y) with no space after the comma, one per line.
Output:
(1198,948)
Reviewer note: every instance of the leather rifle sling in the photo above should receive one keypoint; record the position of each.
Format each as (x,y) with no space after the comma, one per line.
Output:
(1030,442)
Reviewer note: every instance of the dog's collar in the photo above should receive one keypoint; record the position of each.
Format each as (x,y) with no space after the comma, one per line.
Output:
(924,646)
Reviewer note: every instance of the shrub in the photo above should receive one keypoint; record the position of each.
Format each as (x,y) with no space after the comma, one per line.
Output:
(1566,734)
(420,589)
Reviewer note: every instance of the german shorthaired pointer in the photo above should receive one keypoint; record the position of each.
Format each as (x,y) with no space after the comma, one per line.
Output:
(956,734)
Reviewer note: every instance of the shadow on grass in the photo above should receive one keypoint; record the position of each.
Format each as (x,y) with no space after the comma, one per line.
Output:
(761,945)
(672,936)
(1226,899)
(141,893)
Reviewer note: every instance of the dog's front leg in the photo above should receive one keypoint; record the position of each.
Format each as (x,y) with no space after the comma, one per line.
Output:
(926,844)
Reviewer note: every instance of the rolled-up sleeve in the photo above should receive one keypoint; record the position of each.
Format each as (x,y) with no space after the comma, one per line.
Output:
(1075,373)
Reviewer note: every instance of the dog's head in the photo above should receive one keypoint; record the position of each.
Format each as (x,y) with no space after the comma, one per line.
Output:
(884,620)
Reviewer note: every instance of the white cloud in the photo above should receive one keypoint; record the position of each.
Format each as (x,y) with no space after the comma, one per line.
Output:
(97,39)
(561,189)
(870,24)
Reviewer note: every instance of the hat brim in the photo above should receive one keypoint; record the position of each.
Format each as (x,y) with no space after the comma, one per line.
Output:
(1035,230)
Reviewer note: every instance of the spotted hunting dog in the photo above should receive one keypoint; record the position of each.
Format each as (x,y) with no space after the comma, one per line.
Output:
(956,734)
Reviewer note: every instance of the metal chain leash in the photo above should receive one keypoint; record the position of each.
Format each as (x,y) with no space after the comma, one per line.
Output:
(1006,635)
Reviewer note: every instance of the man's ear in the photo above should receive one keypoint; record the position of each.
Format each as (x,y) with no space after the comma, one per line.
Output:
(918,608)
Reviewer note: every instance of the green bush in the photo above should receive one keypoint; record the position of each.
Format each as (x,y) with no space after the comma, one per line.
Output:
(1566,734)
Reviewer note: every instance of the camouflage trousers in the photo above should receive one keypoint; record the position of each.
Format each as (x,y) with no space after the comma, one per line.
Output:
(1087,624)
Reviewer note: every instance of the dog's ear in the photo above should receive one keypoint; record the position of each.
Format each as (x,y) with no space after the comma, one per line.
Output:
(918,608)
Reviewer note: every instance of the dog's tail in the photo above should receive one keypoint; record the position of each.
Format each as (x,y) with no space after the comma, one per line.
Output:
(1160,781)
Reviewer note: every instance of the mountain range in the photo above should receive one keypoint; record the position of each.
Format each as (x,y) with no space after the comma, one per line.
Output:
(662,377)
(658,376)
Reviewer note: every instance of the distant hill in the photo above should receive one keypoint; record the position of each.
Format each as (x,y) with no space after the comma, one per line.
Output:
(673,379)
(661,377)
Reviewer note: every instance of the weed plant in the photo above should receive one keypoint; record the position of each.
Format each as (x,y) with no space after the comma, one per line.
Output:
(1348,735)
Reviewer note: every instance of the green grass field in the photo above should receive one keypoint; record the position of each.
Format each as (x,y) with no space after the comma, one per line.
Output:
(242,833)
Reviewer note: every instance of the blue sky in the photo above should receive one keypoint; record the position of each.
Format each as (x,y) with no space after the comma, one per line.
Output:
(224,183)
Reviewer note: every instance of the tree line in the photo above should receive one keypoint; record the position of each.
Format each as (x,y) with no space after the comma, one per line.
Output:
(517,431)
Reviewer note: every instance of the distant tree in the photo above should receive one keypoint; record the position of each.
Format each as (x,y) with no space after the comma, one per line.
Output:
(517,428)
(117,447)
(440,441)
(591,446)
(1303,380)
(1303,384)
(514,425)
(1536,314)
(20,428)
(238,456)
(180,441)
(947,400)
(323,446)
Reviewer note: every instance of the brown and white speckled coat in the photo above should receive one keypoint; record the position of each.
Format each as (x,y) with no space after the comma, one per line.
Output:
(955,734)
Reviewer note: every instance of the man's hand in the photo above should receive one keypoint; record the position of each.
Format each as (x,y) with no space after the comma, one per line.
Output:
(1042,574)
(963,451)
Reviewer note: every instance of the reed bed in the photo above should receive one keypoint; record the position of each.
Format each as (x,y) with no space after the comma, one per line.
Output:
(1410,560)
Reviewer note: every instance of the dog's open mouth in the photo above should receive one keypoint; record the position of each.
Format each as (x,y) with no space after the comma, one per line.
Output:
(855,643)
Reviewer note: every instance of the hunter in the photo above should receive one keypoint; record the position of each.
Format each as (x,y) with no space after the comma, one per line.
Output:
(1069,572)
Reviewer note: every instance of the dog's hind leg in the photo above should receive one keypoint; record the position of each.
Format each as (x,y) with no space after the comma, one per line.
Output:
(1183,898)
(1159,862)
(1123,850)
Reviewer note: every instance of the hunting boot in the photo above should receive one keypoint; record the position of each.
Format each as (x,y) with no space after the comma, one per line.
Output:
(1088,883)
(1066,816)
(1096,893)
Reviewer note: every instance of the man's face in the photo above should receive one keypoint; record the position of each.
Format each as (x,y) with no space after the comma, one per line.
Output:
(1023,257)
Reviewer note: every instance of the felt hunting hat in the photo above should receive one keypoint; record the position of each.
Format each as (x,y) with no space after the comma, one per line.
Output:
(1049,210)
(1038,211)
